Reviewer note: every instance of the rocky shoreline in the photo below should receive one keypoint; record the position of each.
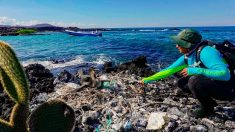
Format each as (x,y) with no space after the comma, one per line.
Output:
(116,102)
(12,30)
(7,30)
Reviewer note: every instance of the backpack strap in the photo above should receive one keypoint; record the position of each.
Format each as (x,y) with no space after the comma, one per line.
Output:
(198,59)
(186,59)
(197,47)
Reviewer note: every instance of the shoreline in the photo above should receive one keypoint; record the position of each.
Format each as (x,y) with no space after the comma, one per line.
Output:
(128,104)
(13,30)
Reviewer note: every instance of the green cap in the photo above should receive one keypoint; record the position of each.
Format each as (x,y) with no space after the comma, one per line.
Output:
(187,37)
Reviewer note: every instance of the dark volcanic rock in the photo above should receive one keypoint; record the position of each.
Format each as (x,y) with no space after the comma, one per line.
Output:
(8,31)
(40,78)
(171,126)
(108,67)
(54,61)
(11,30)
(64,76)
(6,104)
(52,28)
(137,66)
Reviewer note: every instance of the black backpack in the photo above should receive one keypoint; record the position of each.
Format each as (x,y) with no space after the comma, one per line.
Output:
(226,48)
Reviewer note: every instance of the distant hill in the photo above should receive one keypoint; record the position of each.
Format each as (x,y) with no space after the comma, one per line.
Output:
(46,27)
(42,25)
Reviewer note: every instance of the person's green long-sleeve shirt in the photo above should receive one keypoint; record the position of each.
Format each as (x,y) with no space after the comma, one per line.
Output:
(216,66)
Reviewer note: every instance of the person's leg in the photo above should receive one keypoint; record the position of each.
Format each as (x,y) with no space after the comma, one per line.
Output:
(204,89)
(223,90)
(182,83)
(199,86)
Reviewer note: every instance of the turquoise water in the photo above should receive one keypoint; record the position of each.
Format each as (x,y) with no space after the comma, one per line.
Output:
(116,45)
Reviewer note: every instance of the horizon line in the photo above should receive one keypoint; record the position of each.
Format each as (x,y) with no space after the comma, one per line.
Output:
(121,27)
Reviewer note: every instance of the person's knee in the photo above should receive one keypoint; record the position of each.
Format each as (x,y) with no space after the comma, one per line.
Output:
(195,83)
(182,82)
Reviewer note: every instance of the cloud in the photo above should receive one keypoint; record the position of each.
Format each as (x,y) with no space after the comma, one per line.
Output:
(11,21)
(7,21)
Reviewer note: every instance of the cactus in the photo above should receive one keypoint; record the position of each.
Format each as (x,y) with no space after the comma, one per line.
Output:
(19,117)
(52,116)
(15,84)
(13,77)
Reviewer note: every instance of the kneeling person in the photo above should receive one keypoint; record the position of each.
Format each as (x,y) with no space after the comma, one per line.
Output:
(209,78)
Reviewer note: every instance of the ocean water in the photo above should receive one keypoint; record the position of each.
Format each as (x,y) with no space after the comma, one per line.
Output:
(116,45)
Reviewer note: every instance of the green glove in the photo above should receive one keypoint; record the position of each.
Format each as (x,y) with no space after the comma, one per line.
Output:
(163,74)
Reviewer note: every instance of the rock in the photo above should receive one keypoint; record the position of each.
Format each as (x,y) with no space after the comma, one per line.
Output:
(175,111)
(49,28)
(163,108)
(72,85)
(170,101)
(174,29)
(209,123)
(65,88)
(229,112)
(117,126)
(175,117)
(192,100)
(108,67)
(212,125)
(6,104)
(137,66)
(230,124)
(57,61)
(222,131)
(91,119)
(171,126)
(114,103)
(65,77)
(141,122)
(42,97)
(182,129)
(156,121)
(198,128)
(127,126)
(86,107)
(37,70)
(118,109)
(40,79)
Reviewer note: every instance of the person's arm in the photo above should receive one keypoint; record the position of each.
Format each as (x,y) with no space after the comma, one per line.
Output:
(175,67)
(217,68)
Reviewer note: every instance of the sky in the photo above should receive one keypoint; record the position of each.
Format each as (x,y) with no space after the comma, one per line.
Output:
(118,13)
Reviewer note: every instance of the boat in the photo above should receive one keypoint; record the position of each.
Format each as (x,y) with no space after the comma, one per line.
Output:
(84,33)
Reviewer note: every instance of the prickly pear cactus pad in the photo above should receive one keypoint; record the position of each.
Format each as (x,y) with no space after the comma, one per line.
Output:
(52,116)
(13,80)
(12,75)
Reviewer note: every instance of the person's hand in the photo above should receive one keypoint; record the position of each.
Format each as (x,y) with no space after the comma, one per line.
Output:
(184,72)
(141,83)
